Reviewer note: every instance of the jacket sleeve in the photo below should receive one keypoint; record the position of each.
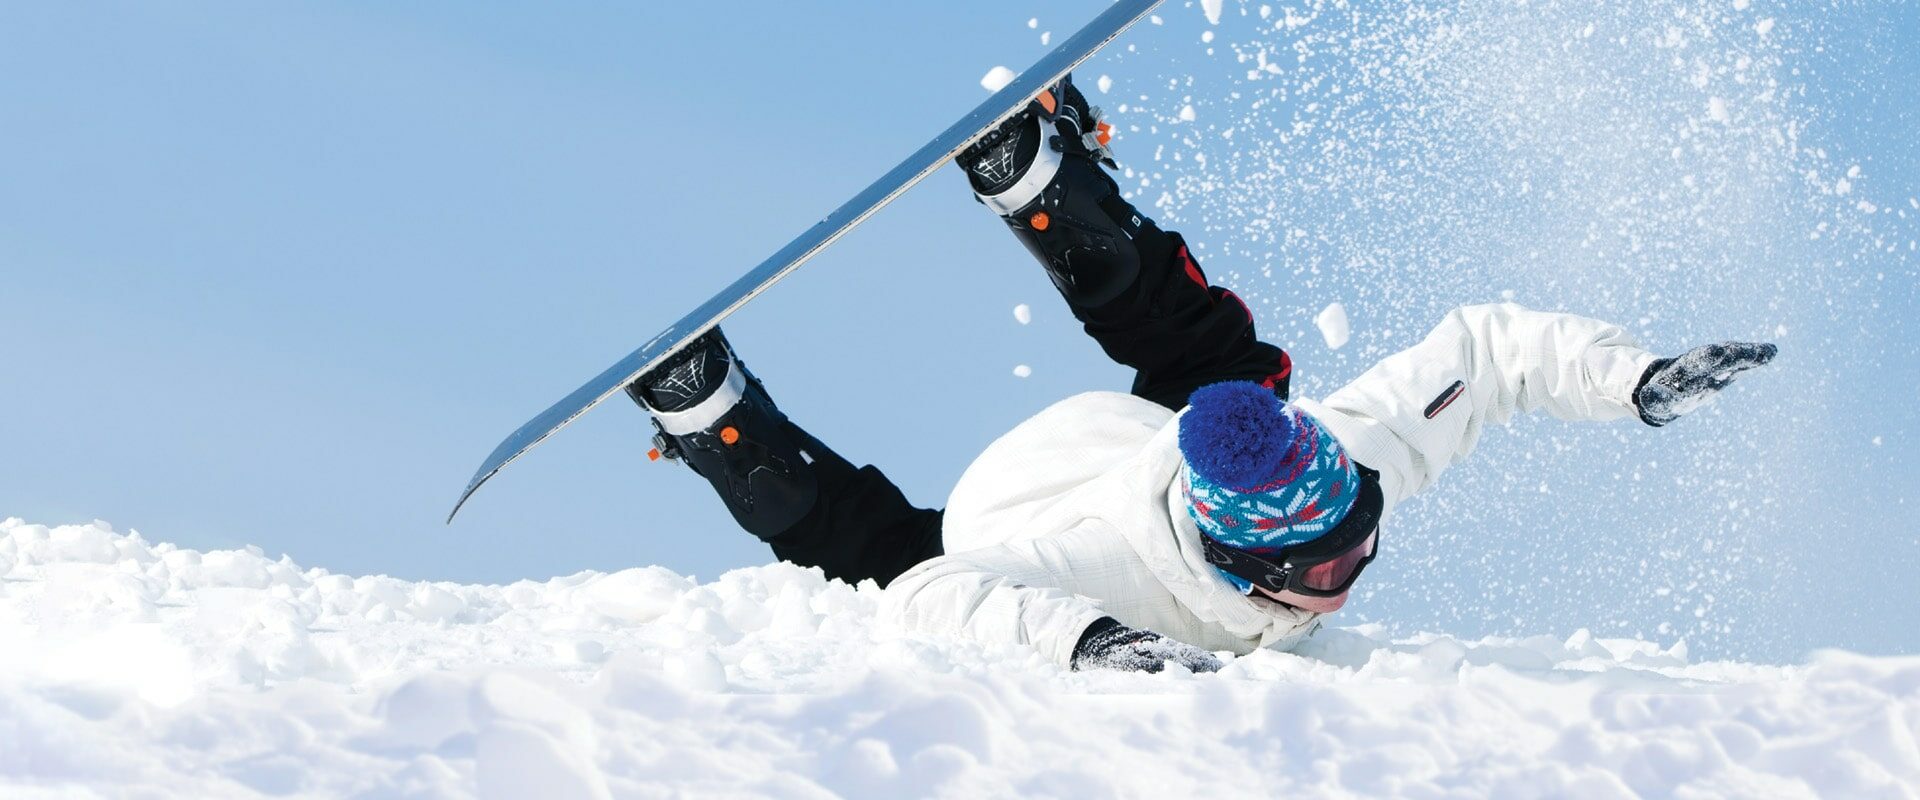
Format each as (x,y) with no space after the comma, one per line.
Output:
(1416,412)
(1033,591)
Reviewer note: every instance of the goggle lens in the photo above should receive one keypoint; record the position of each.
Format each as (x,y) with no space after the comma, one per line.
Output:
(1333,574)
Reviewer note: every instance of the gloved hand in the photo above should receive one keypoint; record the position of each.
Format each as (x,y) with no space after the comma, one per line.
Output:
(1674,386)
(1107,644)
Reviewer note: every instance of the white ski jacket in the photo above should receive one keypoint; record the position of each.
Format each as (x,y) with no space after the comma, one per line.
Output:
(1077,513)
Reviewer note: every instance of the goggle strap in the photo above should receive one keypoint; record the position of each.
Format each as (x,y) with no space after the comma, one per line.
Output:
(1362,520)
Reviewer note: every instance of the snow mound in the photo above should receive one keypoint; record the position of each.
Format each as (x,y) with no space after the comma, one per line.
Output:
(127,664)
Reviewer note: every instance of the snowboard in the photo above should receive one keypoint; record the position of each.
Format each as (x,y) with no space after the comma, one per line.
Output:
(931,156)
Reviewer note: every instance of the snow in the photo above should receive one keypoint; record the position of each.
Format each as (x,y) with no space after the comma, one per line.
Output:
(1105,83)
(126,665)
(1022,371)
(1212,9)
(233,674)
(997,78)
(1614,160)
(1332,322)
(199,674)
(1023,313)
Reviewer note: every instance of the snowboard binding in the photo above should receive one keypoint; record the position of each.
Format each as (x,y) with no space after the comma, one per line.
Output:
(710,413)
(1040,171)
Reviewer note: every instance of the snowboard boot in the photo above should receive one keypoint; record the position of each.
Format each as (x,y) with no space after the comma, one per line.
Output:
(1040,171)
(710,413)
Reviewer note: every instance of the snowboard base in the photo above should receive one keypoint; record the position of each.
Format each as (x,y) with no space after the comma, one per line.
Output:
(1004,103)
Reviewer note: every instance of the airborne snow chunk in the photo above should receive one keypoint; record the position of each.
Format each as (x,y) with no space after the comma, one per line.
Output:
(996,79)
(1717,109)
(1332,322)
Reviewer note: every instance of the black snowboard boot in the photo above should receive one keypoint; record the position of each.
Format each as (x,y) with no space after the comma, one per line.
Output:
(1040,171)
(713,415)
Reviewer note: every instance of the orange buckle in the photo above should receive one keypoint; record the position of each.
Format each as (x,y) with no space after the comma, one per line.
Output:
(654,454)
(1039,220)
(729,435)
(1047,101)
(1104,135)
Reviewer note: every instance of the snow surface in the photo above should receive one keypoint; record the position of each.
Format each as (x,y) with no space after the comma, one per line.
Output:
(128,666)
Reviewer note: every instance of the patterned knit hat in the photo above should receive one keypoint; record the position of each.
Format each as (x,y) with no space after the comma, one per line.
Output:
(1261,474)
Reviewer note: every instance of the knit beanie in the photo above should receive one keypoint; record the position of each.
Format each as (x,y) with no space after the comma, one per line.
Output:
(1261,474)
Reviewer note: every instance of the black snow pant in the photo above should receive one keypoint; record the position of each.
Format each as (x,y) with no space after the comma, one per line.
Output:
(1175,330)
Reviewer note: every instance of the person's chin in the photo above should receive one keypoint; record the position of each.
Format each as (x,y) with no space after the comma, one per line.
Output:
(1316,605)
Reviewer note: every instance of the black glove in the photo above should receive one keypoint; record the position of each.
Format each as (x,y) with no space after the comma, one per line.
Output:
(1675,386)
(1107,644)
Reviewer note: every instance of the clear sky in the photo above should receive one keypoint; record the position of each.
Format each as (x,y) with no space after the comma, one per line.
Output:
(282,274)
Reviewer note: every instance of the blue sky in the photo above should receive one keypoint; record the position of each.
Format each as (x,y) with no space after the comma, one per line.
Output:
(281,275)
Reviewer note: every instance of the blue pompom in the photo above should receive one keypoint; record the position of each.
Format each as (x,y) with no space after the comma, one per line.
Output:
(1236,433)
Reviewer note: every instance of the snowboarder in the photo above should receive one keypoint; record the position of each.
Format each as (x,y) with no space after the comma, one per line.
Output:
(1203,511)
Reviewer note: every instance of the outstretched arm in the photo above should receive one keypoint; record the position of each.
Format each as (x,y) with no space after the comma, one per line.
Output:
(1416,412)
(1675,386)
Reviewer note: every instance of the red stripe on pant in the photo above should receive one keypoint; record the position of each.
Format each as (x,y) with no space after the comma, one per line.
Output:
(1193,270)
(1286,369)
(1200,279)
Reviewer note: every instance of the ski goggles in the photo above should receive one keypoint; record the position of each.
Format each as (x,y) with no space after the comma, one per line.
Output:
(1326,566)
